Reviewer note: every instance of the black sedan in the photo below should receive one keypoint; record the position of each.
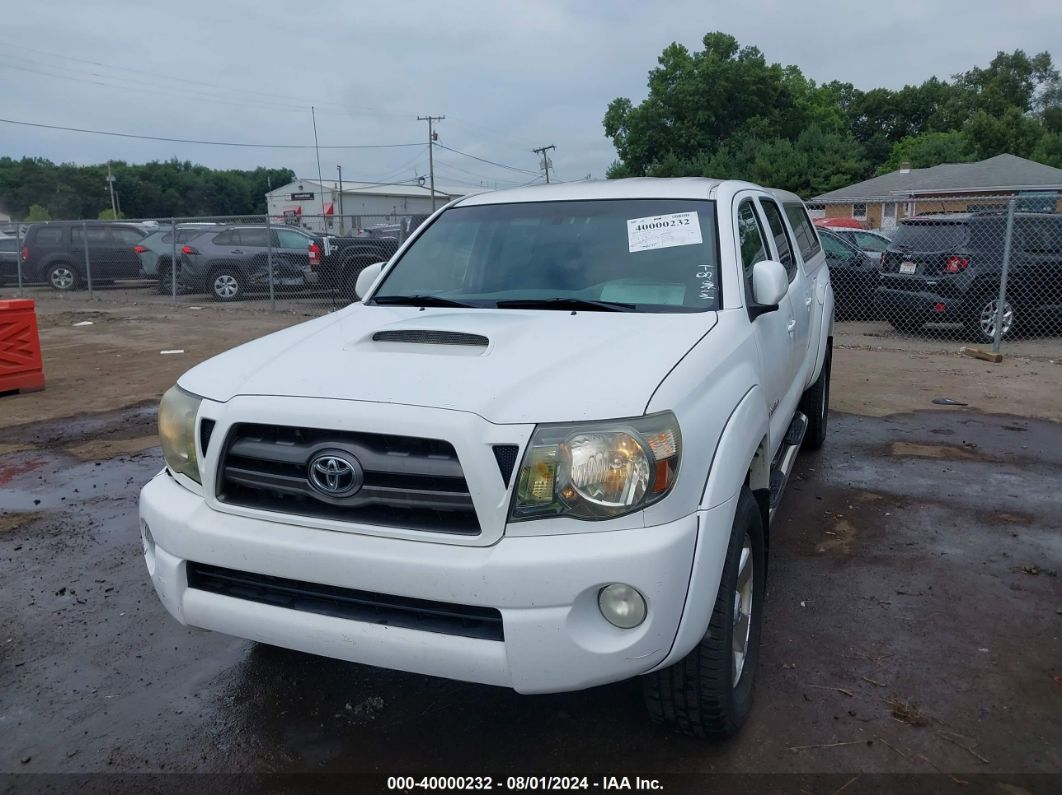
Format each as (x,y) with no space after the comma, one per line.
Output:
(854,276)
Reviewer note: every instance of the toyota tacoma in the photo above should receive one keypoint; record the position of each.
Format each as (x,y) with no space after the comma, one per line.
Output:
(543,451)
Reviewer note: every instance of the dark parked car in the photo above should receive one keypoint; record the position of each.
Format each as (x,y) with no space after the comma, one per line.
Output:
(55,252)
(873,244)
(947,268)
(854,276)
(229,262)
(8,260)
(348,258)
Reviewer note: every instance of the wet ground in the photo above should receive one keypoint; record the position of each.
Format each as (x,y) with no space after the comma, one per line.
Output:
(913,624)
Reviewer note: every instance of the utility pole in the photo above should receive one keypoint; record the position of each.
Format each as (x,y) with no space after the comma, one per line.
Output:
(432,137)
(320,177)
(340,170)
(110,187)
(545,158)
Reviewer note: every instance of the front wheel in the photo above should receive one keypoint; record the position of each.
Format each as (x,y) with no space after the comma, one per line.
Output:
(708,693)
(981,320)
(227,284)
(62,276)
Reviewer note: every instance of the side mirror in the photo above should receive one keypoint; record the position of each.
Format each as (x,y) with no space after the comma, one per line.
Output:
(366,279)
(770,282)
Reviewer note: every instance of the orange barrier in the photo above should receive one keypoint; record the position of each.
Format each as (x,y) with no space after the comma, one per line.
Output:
(21,367)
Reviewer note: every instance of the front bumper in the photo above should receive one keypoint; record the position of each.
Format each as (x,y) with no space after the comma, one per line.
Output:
(545,588)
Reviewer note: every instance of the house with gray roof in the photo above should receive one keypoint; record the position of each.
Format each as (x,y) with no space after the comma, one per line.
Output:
(880,202)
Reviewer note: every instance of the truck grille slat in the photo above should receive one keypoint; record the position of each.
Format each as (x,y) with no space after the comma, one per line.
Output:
(409,483)
(468,621)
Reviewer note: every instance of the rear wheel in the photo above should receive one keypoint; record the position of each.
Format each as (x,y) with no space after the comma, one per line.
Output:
(226,284)
(981,320)
(165,278)
(709,692)
(815,404)
(62,276)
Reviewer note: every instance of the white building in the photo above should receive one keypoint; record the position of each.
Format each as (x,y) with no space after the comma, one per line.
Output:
(361,205)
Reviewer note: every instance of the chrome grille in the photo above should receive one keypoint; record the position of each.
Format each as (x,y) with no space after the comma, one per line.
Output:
(409,483)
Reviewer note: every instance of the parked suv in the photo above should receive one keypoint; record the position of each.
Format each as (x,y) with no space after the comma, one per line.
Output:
(947,268)
(229,262)
(8,259)
(54,252)
(156,250)
(543,452)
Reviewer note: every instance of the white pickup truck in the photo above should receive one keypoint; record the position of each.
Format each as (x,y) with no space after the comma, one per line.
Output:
(542,452)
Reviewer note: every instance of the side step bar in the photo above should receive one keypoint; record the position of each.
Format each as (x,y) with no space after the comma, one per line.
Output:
(786,458)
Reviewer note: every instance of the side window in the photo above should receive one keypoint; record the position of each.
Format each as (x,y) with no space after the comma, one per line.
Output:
(835,248)
(226,238)
(49,235)
(95,234)
(752,242)
(254,237)
(781,236)
(292,240)
(870,242)
(806,239)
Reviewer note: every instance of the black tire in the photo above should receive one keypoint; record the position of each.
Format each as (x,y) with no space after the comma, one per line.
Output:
(980,321)
(697,695)
(226,284)
(165,276)
(62,276)
(906,325)
(815,403)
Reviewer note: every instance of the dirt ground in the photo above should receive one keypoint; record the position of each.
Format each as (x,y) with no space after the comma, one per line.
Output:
(913,622)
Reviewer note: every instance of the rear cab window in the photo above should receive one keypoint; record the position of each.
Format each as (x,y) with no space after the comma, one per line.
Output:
(806,239)
(782,243)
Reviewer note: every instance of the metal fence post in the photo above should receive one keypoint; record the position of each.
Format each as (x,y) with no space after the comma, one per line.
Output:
(88,261)
(18,256)
(1002,302)
(173,261)
(269,261)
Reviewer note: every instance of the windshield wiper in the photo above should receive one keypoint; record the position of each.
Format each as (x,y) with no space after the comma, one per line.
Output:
(418,300)
(566,303)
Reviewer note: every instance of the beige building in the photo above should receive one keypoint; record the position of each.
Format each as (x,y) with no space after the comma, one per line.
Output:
(880,202)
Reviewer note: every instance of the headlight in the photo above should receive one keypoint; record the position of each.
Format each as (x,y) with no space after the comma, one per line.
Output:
(597,470)
(177,431)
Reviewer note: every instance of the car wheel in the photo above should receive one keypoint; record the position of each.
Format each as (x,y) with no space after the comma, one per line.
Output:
(815,403)
(708,693)
(62,276)
(226,284)
(165,279)
(981,322)
(906,325)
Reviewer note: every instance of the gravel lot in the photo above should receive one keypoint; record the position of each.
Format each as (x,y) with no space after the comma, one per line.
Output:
(913,623)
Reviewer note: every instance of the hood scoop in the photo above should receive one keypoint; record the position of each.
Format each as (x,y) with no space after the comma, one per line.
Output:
(431,337)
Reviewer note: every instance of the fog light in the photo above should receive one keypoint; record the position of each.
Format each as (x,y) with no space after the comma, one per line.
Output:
(621,605)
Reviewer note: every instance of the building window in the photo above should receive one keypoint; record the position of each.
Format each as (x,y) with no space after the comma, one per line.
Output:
(888,211)
(817,210)
(859,210)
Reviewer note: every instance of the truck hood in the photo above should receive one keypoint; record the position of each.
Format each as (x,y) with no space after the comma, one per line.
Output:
(536,365)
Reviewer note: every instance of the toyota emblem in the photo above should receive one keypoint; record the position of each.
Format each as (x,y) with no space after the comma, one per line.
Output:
(335,473)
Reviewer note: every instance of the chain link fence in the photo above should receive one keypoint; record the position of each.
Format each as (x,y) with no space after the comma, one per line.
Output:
(303,263)
(984,270)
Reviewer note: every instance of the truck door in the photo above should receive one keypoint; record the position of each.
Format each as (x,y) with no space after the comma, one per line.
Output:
(773,330)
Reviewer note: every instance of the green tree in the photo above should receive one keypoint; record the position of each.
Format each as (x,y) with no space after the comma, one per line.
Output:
(1011,132)
(38,214)
(929,149)
(109,215)
(1049,150)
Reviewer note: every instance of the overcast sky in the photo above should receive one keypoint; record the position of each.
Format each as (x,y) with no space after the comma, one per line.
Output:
(508,76)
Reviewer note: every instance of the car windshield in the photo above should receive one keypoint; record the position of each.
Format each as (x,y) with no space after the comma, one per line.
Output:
(929,236)
(643,255)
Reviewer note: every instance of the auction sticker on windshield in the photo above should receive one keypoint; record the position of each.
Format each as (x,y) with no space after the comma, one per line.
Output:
(663,231)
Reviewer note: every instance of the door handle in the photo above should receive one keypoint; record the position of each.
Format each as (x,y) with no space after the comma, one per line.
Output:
(791,325)
(236,251)
(807,300)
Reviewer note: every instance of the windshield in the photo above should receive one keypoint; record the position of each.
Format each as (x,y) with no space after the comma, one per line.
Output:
(643,255)
(922,236)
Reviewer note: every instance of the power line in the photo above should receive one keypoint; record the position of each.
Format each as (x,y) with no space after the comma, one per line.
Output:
(484,160)
(194,141)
